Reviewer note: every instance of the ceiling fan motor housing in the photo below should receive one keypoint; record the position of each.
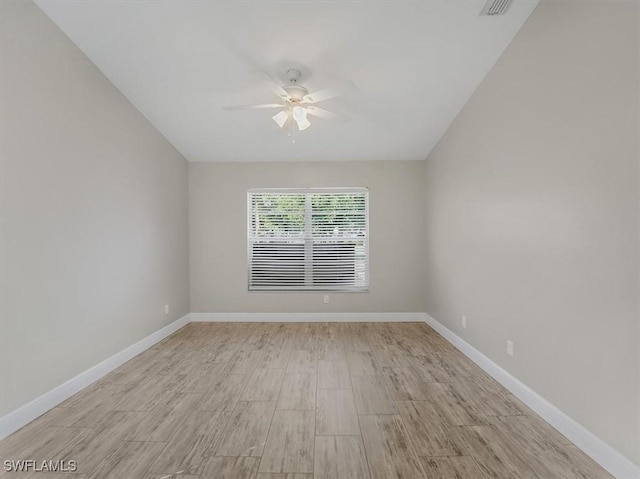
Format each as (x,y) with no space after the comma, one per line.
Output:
(295,92)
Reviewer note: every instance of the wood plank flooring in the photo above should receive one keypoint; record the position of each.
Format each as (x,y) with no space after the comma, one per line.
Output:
(298,401)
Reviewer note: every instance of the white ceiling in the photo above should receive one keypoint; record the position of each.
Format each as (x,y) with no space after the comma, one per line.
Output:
(415,64)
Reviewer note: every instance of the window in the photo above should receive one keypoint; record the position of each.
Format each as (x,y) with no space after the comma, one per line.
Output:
(308,239)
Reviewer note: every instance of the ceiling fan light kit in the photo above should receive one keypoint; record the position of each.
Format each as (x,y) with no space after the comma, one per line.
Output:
(296,98)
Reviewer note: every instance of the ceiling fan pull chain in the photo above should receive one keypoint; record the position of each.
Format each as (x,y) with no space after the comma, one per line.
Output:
(291,131)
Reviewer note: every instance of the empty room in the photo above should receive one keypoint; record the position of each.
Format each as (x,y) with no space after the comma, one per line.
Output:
(305,239)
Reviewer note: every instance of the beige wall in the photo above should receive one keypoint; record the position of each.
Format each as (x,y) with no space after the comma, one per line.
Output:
(218,226)
(532,204)
(94,213)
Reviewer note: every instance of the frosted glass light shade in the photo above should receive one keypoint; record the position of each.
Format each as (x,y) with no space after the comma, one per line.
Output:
(303,124)
(299,113)
(281,118)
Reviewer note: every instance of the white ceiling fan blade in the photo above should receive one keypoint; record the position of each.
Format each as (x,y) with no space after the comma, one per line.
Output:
(253,107)
(330,92)
(326,114)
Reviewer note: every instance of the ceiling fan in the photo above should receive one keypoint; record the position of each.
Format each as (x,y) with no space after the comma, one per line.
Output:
(298,103)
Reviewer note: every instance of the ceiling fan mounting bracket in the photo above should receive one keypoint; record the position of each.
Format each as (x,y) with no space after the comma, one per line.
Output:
(293,75)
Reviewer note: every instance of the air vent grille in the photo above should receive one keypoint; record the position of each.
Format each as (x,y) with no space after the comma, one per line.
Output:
(496,7)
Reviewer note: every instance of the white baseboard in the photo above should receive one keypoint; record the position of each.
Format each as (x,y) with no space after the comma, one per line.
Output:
(23,415)
(307,317)
(601,452)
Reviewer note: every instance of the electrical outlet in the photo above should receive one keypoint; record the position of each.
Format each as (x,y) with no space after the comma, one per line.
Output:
(325,300)
(464,322)
(166,309)
(509,347)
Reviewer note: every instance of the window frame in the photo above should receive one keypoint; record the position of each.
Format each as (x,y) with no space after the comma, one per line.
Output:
(308,239)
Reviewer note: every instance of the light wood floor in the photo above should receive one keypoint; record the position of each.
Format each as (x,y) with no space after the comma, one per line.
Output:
(299,401)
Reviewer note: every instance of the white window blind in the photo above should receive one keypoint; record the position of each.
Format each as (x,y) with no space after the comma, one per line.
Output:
(308,239)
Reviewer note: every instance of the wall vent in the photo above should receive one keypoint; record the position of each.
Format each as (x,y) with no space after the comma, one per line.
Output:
(496,7)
